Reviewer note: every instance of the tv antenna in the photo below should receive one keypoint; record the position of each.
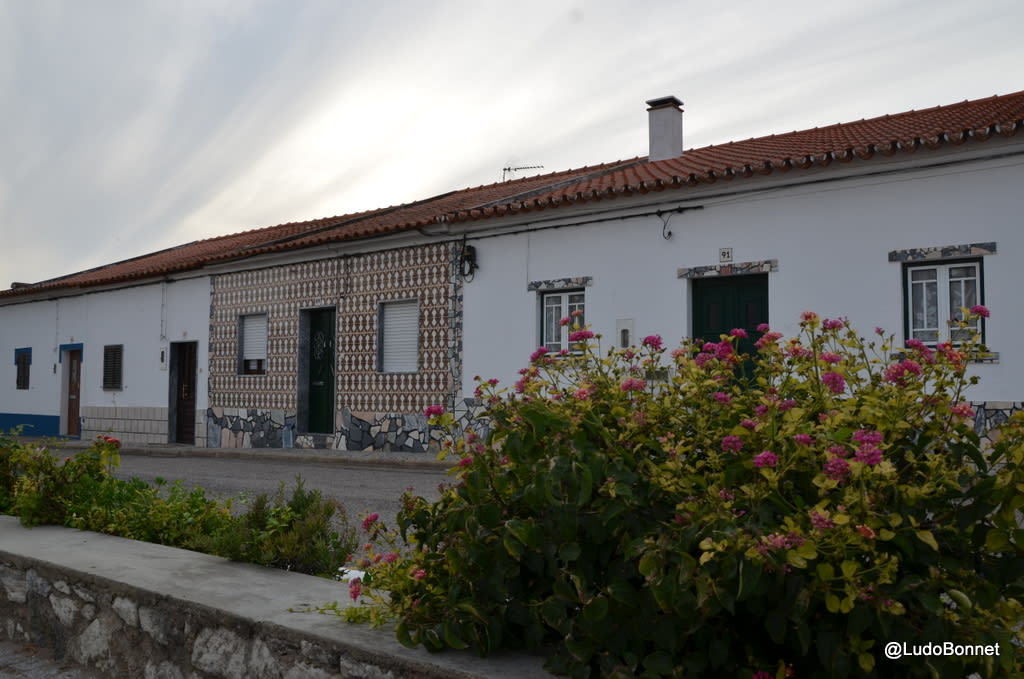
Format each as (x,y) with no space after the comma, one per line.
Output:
(510,171)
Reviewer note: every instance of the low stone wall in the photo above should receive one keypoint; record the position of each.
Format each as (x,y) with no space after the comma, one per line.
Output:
(357,431)
(135,610)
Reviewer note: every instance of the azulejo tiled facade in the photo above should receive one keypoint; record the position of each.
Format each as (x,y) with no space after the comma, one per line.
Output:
(260,410)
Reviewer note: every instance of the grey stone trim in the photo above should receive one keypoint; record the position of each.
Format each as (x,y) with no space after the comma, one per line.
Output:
(734,269)
(990,415)
(942,252)
(560,284)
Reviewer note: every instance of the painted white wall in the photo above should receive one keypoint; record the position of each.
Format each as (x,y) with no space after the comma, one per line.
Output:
(831,241)
(145,319)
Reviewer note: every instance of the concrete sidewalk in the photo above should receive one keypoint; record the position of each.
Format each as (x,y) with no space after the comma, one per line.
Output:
(374,458)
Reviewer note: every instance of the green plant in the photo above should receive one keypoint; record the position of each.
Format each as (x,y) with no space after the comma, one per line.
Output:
(305,532)
(784,514)
(38,485)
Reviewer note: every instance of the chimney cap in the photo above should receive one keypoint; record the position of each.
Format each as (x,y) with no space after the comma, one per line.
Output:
(663,102)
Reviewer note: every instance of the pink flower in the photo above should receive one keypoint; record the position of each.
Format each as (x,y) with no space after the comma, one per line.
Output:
(632,384)
(868,436)
(761,410)
(830,357)
(834,381)
(832,324)
(839,451)
(565,321)
(419,574)
(837,469)
(821,522)
(355,588)
(391,557)
(749,424)
(434,411)
(733,443)
(369,521)
(803,439)
(768,338)
(979,310)
(787,404)
(898,373)
(762,674)
(580,335)
(808,317)
(538,354)
(584,393)
(726,494)
(963,410)
(738,333)
(868,454)
(653,341)
(722,398)
(766,459)
(763,327)
(866,531)
(465,462)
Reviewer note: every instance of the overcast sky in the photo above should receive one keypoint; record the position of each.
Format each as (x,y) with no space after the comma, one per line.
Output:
(130,126)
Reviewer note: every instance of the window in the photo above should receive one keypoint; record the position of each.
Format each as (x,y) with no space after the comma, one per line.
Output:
(22,359)
(252,345)
(554,307)
(112,366)
(935,295)
(398,337)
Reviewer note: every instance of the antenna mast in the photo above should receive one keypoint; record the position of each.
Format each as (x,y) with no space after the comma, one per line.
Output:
(506,171)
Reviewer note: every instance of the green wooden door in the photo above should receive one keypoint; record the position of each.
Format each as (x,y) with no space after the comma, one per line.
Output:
(721,304)
(322,333)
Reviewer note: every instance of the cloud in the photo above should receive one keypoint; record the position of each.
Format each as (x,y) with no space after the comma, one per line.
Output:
(130,127)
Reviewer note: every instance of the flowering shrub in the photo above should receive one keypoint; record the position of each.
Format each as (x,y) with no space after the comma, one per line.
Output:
(785,514)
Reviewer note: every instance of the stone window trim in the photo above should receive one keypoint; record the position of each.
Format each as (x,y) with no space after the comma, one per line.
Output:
(732,269)
(936,252)
(557,284)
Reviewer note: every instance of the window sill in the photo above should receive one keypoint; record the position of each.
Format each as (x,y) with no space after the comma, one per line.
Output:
(981,357)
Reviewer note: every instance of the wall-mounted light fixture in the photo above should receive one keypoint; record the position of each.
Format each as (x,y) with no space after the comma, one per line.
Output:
(467,262)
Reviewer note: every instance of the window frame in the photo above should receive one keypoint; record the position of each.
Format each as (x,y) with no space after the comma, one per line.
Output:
(113,367)
(254,363)
(566,308)
(386,366)
(943,305)
(23,368)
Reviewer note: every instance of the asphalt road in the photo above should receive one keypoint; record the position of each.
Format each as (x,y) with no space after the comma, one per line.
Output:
(362,488)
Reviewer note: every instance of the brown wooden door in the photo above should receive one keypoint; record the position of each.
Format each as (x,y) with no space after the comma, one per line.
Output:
(183,398)
(74,358)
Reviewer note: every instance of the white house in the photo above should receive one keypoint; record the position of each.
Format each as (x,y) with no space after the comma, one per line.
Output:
(339,332)
(892,222)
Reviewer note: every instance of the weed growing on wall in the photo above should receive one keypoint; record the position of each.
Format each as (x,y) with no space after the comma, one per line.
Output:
(696,512)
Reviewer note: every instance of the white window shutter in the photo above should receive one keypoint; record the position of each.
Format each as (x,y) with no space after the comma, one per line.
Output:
(399,336)
(254,337)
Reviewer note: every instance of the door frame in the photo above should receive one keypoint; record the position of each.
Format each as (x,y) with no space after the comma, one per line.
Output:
(179,379)
(71,392)
(302,401)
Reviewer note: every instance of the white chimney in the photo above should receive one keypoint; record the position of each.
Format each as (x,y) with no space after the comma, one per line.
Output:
(665,123)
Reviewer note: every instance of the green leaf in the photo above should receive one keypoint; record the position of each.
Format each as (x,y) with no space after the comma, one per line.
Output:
(596,609)
(570,551)
(996,540)
(659,662)
(927,538)
(826,572)
(832,603)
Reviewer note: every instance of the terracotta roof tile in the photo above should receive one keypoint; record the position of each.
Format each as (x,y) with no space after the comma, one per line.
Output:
(886,135)
(841,143)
